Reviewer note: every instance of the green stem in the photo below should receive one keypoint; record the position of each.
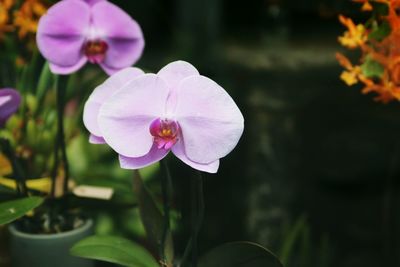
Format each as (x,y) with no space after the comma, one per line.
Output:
(61,92)
(165,187)
(60,146)
(16,167)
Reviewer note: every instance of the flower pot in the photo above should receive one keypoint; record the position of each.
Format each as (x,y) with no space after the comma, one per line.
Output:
(48,250)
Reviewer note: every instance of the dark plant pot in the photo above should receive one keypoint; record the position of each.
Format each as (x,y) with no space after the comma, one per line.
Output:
(48,250)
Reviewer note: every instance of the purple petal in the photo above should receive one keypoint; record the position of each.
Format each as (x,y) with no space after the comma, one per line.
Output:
(179,151)
(125,118)
(210,121)
(102,93)
(60,32)
(123,35)
(64,70)
(92,2)
(153,156)
(97,140)
(176,71)
(10,100)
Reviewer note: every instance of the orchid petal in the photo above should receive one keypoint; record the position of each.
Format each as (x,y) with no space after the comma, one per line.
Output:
(97,140)
(125,118)
(102,93)
(176,71)
(179,151)
(93,2)
(10,100)
(153,156)
(64,70)
(210,121)
(60,38)
(123,35)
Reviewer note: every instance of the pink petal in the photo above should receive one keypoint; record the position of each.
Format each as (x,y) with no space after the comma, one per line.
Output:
(102,93)
(60,38)
(125,118)
(109,70)
(97,140)
(179,151)
(210,121)
(176,71)
(123,35)
(153,156)
(64,70)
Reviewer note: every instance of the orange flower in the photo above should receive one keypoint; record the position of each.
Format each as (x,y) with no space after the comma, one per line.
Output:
(5,6)
(379,69)
(27,17)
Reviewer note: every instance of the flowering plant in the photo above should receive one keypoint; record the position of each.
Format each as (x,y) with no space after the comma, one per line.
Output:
(378,69)
(140,116)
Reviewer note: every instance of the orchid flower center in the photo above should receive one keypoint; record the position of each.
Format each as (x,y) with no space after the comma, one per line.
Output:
(165,132)
(95,50)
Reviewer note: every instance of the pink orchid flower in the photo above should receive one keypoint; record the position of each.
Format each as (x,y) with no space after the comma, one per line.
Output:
(175,110)
(10,100)
(74,32)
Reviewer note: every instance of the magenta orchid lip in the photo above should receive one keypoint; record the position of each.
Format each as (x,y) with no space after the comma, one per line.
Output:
(143,117)
(10,100)
(91,36)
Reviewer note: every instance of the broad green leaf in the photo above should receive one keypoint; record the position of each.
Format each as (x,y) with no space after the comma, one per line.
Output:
(115,250)
(239,254)
(379,31)
(12,210)
(152,217)
(372,69)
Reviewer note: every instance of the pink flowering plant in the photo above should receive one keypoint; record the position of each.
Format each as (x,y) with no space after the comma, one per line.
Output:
(92,36)
(143,117)
(140,117)
(34,140)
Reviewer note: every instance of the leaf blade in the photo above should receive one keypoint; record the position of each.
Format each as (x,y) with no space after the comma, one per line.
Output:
(239,254)
(14,209)
(115,250)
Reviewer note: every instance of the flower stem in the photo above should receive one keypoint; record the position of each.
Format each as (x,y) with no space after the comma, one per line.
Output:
(165,187)
(61,90)
(60,146)
(16,167)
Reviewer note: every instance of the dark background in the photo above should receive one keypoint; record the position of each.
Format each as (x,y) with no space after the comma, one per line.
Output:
(315,175)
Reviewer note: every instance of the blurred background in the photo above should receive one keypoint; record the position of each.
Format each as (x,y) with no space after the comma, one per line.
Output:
(315,177)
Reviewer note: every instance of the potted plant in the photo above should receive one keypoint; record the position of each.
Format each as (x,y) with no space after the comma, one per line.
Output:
(34,141)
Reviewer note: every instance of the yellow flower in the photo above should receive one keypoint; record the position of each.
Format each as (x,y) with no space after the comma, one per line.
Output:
(355,36)
(349,77)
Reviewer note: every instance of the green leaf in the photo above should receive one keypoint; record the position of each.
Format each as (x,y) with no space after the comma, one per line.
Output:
(239,254)
(294,234)
(380,9)
(46,81)
(115,250)
(12,210)
(380,32)
(152,218)
(371,68)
